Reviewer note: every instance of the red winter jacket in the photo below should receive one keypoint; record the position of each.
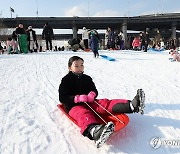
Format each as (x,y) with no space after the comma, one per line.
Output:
(136,42)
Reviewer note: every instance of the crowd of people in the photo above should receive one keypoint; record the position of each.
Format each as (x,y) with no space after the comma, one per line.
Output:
(90,41)
(26,40)
(115,40)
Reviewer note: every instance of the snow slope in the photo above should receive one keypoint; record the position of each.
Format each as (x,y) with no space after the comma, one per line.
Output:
(30,122)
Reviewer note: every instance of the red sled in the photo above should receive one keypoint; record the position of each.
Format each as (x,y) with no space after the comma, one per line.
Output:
(120,120)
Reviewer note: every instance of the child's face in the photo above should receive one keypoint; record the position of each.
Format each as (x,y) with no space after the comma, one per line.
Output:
(77,67)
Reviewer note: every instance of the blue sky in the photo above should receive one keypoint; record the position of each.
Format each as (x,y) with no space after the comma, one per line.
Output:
(83,8)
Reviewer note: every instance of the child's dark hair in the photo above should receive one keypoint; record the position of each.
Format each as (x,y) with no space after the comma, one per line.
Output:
(72,59)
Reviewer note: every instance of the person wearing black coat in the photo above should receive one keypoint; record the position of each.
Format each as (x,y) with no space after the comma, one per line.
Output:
(20,33)
(142,39)
(78,94)
(75,44)
(147,40)
(48,35)
(14,35)
(32,40)
(71,85)
(20,30)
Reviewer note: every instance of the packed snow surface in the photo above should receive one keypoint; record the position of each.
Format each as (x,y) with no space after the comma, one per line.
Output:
(31,123)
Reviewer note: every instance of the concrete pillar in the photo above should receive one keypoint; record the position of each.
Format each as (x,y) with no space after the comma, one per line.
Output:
(75,30)
(124,30)
(173,34)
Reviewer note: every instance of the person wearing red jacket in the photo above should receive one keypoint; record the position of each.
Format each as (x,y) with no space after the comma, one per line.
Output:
(76,89)
(136,44)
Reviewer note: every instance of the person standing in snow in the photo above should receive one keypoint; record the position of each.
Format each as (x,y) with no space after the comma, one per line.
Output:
(22,38)
(142,40)
(32,41)
(158,38)
(121,40)
(106,39)
(94,43)
(147,40)
(76,89)
(85,38)
(20,29)
(111,39)
(48,35)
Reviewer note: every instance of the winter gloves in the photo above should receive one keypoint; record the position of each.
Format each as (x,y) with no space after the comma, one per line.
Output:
(80,98)
(85,98)
(91,96)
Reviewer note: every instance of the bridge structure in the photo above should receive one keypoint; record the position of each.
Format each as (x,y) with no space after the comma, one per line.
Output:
(164,22)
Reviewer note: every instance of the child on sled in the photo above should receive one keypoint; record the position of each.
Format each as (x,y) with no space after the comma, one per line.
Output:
(76,89)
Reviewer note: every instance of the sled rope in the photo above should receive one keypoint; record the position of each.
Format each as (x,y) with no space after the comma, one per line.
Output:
(109,112)
(95,112)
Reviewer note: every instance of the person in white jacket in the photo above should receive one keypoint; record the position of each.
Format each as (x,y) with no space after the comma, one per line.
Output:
(85,38)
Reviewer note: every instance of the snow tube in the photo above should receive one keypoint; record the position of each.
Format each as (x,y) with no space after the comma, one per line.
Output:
(157,50)
(120,120)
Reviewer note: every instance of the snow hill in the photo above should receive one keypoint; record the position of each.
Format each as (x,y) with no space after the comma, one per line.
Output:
(30,122)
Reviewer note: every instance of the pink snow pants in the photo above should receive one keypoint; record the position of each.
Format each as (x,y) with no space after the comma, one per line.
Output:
(85,116)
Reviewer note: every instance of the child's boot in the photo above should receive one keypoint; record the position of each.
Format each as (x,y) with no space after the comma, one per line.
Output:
(101,133)
(138,102)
